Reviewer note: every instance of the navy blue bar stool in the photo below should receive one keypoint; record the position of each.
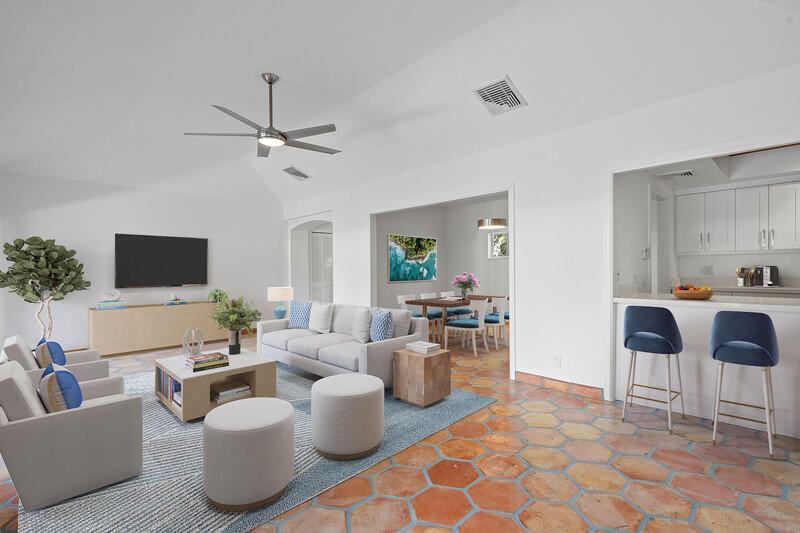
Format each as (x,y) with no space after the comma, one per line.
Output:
(652,330)
(742,338)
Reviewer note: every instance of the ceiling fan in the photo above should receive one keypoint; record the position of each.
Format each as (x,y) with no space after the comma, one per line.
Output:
(269,137)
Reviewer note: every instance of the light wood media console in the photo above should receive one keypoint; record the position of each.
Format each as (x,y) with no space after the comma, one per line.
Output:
(148,327)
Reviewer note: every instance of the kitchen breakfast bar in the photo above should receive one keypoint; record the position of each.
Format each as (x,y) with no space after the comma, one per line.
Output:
(741,384)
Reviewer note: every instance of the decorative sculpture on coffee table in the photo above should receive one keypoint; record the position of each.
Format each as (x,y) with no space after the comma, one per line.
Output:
(192,342)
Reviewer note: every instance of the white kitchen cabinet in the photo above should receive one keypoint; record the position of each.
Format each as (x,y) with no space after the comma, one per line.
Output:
(752,218)
(690,223)
(784,216)
(720,221)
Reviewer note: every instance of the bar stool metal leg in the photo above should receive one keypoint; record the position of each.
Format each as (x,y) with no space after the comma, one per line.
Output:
(628,385)
(765,379)
(772,402)
(669,395)
(633,375)
(680,384)
(716,402)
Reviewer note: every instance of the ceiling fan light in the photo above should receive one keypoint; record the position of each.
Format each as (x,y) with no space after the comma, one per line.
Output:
(492,223)
(270,141)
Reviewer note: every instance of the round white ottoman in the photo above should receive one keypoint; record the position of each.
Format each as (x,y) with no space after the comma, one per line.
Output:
(248,452)
(347,415)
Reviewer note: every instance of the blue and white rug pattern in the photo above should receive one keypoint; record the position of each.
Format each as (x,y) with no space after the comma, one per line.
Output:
(169,495)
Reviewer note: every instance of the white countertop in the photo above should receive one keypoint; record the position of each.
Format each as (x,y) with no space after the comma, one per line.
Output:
(773,290)
(737,303)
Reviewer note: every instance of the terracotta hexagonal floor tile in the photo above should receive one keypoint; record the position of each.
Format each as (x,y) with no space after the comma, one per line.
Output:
(746,480)
(574,402)
(658,500)
(436,438)
(628,444)
(781,471)
(615,425)
(484,391)
(778,514)
(704,489)
(479,416)
(542,420)
(665,525)
(606,409)
(380,515)
(441,506)
(538,394)
(509,387)
(574,415)
(374,469)
(421,528)
(265,528)
(452,473)
(722,520)
(501,442)
(483,382)
(483,522)
(506,410)
(682,461)
(461,449)
(609,510)
(317,519)
(468,430)
(794,495)
(548,458)
(545,516)
(538,406)
(587,450)
(549,486)
(646,421)
(400,481)
(505,424)
(346,493)
(640,468)
(692,432)
(754,447)
(720,454)
(416,455)
(597,477)
(500,465)
(580,431)
(543,437)
(662,439)
(496,495)
(508,397)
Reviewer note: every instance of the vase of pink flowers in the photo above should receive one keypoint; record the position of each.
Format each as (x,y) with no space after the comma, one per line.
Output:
(466,283)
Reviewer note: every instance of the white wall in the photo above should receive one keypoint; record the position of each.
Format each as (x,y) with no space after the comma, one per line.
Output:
(562,209)
(631,232)
(244,229)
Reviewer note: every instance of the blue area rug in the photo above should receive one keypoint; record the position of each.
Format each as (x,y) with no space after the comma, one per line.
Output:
(169,496)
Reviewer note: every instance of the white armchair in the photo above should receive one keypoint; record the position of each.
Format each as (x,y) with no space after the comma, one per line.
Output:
(55,456)
(84,364)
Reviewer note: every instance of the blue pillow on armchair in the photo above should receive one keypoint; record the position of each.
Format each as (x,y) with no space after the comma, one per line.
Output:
(299,315)
(59,390)
(382,326)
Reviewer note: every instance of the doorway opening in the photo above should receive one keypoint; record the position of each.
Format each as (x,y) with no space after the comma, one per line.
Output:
(311,268)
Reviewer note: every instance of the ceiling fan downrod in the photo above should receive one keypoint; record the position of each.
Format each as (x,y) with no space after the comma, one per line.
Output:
(270,78)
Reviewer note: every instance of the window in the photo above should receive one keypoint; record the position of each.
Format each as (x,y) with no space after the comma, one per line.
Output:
(498,244)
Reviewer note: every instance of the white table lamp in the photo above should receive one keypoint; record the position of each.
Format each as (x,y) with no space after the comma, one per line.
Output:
(280,295)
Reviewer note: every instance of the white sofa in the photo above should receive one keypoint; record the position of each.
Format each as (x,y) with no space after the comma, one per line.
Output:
(339,351)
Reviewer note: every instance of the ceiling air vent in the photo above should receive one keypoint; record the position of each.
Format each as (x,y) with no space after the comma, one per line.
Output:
(500,97)
(296,173)
(677,173)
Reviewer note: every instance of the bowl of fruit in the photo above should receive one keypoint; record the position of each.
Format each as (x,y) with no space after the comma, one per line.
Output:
(690,292)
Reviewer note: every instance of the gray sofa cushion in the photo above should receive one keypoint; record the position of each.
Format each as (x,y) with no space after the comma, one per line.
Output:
(310,346)
(280,338)
(17,349)
(343,315)
(18,398)
(344,355)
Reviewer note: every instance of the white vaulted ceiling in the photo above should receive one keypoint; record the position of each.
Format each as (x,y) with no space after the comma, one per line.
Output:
(102,90)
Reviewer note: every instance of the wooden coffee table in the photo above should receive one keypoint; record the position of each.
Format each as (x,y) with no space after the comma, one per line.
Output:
(421,379)
(247,367)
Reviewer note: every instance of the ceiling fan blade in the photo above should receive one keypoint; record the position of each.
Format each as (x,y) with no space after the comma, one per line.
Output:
(313,147)
(263,150)
(238,117)
(308,132)
(224,134)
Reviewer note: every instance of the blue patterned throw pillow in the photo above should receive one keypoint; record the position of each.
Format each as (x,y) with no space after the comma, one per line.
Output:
(299,315)
(382,326)
(49,352)
(59,389)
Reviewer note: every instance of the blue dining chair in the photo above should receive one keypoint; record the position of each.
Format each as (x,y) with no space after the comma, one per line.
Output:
(457,312)
(652,330)
(743,338)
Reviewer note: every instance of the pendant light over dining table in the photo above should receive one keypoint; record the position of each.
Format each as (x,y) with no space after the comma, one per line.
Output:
(492,223)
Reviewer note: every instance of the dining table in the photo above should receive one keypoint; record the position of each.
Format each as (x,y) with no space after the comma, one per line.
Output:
(446,303)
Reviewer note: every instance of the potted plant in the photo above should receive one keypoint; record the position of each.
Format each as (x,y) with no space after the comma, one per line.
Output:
(42,271)
(233,315)
(466,283)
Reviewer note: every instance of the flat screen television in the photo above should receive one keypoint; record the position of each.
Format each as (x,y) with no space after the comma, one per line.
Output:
(153,261)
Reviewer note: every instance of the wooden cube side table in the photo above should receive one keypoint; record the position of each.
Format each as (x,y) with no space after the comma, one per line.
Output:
(421,379)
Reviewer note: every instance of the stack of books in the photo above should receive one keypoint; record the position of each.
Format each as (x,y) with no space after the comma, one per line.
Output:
(114,304)
(206,361)
(229,391)
(176,301)
(423,347)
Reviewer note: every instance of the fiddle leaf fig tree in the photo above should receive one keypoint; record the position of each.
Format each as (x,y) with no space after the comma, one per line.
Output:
(42,271)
